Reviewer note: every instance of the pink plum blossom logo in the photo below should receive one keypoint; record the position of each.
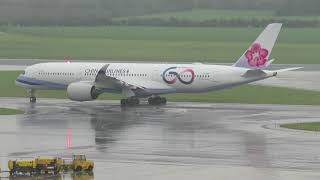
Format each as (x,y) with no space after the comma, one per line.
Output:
(256,55)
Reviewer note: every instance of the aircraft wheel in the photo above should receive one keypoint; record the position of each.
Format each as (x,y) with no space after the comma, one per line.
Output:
(136,101)
(157,101)
(33,99)
(123,102)
(129,102)
(152,100)
(163,101)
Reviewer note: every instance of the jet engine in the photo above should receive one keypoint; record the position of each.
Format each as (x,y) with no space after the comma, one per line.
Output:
(80,91)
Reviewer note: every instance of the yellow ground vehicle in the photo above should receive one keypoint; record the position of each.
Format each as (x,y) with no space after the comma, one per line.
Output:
(21,166)
(80,163)
(54,165)
(48,164)
(36,166)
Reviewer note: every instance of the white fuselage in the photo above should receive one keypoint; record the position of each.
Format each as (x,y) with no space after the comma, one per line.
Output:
(157,78)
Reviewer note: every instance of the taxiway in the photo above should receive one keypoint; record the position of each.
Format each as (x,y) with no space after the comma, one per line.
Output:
(176,141)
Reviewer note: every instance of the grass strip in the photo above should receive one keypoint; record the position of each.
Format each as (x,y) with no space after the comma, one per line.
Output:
(307,126)
(9,111)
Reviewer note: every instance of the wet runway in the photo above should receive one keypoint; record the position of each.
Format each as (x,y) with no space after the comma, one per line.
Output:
(177,141)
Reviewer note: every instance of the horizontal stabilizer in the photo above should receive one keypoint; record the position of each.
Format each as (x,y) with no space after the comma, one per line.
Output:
(288,69)
(259,72)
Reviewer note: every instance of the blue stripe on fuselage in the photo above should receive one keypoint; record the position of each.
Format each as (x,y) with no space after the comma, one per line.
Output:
(35,82)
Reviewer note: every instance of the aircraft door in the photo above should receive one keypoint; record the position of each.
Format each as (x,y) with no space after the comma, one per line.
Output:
(156,74)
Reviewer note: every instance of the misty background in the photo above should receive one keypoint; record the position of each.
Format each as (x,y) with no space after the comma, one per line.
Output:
(103,12)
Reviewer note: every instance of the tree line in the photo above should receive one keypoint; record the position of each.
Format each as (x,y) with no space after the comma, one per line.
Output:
(101,12)
(236,22)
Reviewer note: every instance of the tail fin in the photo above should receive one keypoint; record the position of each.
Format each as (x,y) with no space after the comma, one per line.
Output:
(257,55)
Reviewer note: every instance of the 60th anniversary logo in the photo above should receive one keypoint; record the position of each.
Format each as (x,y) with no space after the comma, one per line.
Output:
(185,76)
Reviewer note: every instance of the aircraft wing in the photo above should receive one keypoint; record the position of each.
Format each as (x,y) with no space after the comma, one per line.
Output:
(102,81)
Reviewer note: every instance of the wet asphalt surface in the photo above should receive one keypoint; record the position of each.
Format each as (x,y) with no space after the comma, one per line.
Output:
(176,141)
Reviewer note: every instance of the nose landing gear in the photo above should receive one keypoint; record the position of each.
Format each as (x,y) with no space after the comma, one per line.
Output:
(33,98)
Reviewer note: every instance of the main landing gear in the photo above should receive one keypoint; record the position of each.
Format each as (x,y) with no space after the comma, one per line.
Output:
(132,101)
(157,100)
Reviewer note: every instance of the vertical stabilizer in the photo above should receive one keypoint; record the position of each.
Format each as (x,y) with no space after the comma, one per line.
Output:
(257,55)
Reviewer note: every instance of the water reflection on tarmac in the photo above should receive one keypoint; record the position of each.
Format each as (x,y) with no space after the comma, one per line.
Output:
(73,176)
(180,140)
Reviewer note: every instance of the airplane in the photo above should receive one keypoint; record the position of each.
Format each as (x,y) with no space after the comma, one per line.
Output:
(85,81)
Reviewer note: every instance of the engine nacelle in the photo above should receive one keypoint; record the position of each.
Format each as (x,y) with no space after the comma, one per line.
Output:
(80,91)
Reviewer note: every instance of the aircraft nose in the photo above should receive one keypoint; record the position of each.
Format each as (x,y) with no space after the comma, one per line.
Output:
(22,74)
(21,78)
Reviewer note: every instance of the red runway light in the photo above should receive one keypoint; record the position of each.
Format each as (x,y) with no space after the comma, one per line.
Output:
(68,138)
